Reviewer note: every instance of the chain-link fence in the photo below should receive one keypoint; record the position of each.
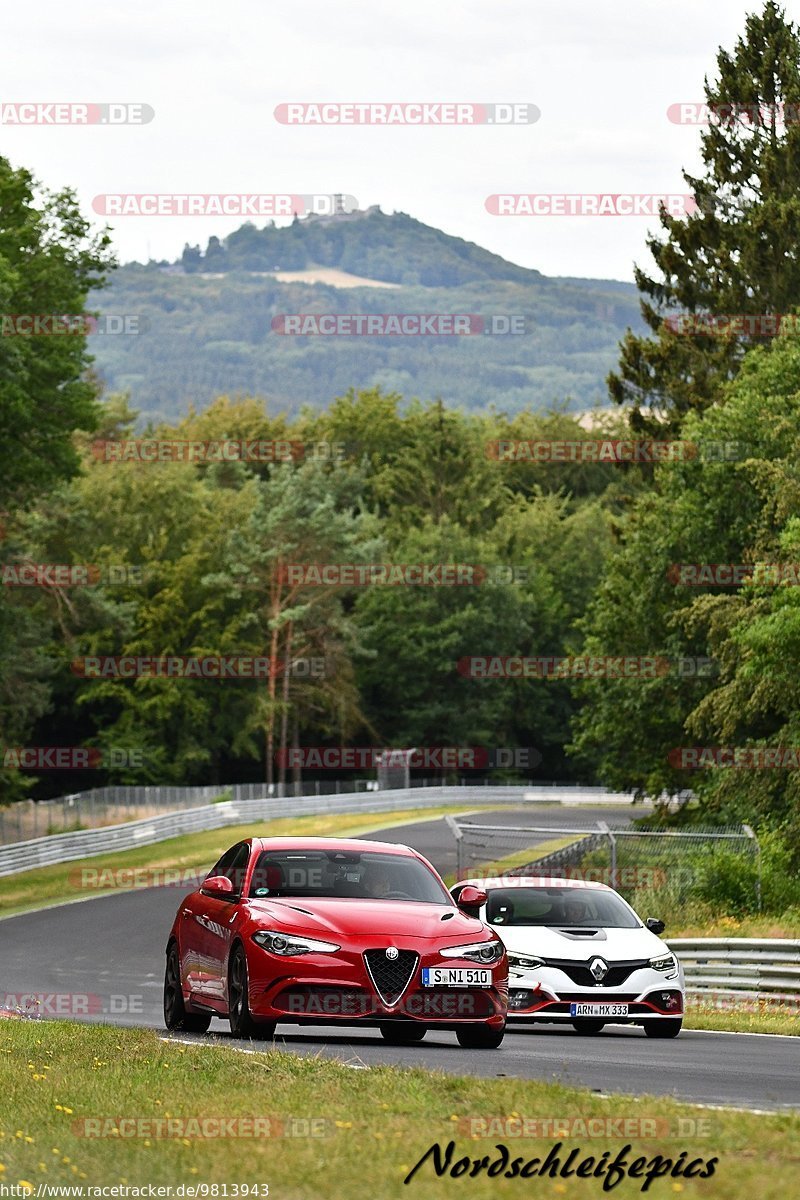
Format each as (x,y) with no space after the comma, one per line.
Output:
(26,819)
(630,860)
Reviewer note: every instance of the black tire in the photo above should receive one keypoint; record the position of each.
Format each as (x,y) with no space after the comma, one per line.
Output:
(241,1019)
(663,1029)
(588,1026)
(176,1018)
(399,1034)
(480,1037)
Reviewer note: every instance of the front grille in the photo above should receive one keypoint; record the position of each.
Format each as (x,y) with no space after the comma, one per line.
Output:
(579,972)
(390,976)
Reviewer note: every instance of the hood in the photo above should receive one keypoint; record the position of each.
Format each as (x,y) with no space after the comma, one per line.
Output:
(382,919)
(615,945)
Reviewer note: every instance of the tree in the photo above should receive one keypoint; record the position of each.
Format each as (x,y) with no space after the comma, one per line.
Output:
(741,512)
(297,516)
(738,253)
(49,262)
(413,692)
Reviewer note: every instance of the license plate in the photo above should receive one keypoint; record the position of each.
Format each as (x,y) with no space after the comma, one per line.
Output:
(456,977)
(598,1010)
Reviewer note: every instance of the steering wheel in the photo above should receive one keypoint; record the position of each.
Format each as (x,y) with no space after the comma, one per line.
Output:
(397,896)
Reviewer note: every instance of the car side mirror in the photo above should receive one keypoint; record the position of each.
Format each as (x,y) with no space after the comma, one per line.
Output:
(471,900)
(654,925)
(218,885)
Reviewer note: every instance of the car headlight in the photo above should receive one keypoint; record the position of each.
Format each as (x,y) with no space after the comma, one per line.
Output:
(527,961)
(667,963)
(480,952)
(288,944)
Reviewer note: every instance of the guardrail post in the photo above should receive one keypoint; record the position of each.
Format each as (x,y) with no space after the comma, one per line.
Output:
(612,846)
(749,831)
(458,835)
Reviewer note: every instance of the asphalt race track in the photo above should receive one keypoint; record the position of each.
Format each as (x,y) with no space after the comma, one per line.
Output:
(436,842)
(112,949)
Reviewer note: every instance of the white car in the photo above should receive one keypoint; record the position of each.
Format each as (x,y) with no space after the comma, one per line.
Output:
(578,954)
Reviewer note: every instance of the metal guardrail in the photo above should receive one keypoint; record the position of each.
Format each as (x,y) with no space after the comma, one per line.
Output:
(67,847)
(742,968)
(25,820)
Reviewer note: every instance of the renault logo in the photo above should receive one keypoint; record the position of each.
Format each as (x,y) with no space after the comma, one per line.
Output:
(392,953)
(599,969)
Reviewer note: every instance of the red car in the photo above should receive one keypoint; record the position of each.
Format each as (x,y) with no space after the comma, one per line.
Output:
(334,931)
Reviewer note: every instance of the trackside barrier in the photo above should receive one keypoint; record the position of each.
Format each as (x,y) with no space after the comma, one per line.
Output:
(766,971)
(25,820)
(502,848)
(66,847)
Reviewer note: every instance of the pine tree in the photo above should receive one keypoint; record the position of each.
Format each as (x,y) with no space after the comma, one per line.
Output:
(739,252)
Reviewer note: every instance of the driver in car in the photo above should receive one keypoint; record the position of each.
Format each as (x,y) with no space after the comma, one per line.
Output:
(376,882)
(575,910)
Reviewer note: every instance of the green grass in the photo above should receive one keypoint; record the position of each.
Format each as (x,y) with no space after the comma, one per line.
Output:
(707,924)
(520,857)
(741,1020)
(46,886)
(374,1125)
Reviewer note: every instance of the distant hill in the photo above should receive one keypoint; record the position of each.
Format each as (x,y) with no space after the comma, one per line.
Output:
(395,249)
(209,320)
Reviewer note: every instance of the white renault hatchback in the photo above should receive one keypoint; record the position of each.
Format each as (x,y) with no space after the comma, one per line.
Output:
(578,954)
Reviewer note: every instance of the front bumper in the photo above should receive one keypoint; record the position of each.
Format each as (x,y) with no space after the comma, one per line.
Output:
(548,994)
(337,989)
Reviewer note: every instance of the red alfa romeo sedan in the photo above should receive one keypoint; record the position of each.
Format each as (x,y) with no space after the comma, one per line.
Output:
(312,931)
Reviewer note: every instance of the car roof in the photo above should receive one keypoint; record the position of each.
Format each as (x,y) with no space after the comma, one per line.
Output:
(490,883)
(351,845)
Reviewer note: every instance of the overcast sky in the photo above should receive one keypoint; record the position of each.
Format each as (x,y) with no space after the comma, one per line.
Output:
(603,73)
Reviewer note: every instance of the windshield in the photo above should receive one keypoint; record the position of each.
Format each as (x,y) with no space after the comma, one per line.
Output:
(354,875)
(567,908)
